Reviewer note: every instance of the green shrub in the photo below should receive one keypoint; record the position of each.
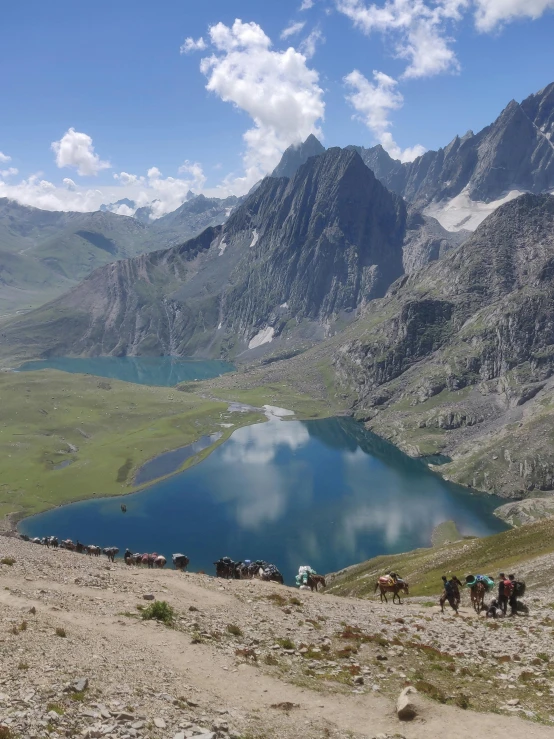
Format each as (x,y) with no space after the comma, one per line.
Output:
(234,630)
(159,610)
(10,561)
(60,710)
(286,643)
(61,632)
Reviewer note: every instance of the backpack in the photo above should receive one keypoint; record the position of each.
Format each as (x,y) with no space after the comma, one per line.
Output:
(448,589)
(519,588)
(508,588)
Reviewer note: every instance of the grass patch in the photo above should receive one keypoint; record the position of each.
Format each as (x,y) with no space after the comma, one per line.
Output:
(114,431)
(286,643)
(159,610)
(61,632)
(234,630)
(23,666)
(10,561)
(78,697)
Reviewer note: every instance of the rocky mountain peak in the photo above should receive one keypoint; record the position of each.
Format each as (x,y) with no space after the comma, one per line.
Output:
(296,155)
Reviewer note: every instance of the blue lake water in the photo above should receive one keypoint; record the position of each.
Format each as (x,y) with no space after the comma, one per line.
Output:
(166,371)
(324,493)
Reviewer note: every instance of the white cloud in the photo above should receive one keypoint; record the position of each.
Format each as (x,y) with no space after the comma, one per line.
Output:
(4,157)
(419,30)
(307,4)
(164,194)
(373,104)
(309,44)
(75,149)
(276,88)
(491,13)
(10,172)
(292,29)
(191,45)
(128,179)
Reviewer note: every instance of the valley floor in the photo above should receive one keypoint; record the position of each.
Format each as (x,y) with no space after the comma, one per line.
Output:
(293,663)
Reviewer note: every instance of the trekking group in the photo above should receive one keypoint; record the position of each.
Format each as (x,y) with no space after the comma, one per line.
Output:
(509,592)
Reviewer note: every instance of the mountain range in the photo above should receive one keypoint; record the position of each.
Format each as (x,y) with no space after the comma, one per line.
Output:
(334,272)
(45,253)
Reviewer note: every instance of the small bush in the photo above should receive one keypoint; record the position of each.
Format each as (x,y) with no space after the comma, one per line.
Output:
(286,643)
(271,659)
(431,690)
(60,632)
(462,701)
(159,610)
(294,601)
(23,626)
(10,561)
(23,666)
(277,598)
(543,656)
(234,630)
(60,710)
(78,697)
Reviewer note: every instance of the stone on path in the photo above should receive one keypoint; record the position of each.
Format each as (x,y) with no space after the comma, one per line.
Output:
(406,709)
(159,723)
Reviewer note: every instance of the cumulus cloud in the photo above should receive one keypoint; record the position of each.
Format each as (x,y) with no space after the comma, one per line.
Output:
(75,150)
(276,88)
(307,4)
(491,13)
(292,29)
(68,182)
(191,45)
(128,179)
(4,157)
(419,30)
(10,172)
(373,103)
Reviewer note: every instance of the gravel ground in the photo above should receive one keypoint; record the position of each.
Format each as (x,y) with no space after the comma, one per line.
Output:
(252,660)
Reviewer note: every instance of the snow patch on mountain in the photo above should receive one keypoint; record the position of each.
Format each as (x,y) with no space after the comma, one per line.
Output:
(255,237)
(463,213)
(222,246)
(265,336)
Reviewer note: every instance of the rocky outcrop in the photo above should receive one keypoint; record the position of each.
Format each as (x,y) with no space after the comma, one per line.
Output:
(526,511)
(298,253)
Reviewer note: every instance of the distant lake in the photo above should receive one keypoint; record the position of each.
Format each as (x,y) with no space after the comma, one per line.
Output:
(325,493)
(165,371)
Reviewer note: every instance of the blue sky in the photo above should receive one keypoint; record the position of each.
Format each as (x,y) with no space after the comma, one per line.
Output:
(108,81)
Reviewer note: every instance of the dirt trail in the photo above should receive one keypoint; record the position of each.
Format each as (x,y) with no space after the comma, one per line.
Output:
(88,599)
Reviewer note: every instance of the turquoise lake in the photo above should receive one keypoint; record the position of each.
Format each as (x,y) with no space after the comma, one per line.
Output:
(325,493)
(165,371)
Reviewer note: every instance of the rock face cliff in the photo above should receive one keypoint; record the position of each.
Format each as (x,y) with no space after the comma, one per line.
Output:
(466,346)
(295,156)
(516,152)
(295,257)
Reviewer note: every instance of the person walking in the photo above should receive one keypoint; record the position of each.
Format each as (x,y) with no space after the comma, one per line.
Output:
(502,597)
(512,599)
(448,595)
(456,585)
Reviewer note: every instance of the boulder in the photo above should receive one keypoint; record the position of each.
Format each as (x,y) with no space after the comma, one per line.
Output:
(406,708)
(79,685)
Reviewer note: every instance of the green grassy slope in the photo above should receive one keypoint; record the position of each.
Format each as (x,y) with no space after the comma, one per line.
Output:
(107,429)
(423,568)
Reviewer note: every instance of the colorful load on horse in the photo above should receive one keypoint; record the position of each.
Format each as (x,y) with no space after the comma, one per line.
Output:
(304,573)
(472,580)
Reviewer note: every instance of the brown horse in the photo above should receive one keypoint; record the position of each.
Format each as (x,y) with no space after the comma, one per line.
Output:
(314,581)
(394,588)
(477,593)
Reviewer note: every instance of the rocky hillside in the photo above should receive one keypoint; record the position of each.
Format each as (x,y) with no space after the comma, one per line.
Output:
(516,152)
(297,257)
(83,656)
(459,355)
